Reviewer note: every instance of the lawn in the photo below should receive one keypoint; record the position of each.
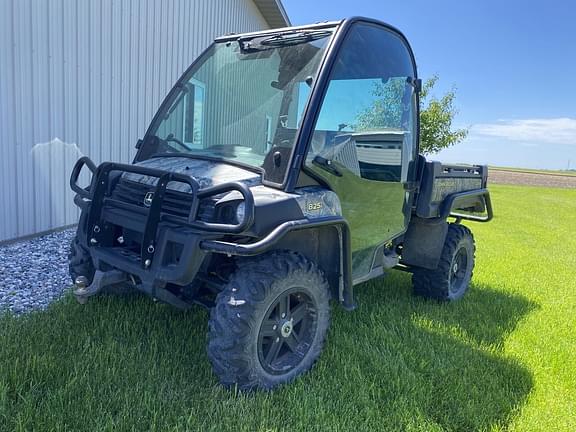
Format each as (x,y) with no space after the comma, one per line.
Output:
(503,358)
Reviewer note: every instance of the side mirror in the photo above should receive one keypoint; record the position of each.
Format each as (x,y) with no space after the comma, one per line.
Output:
(417,83)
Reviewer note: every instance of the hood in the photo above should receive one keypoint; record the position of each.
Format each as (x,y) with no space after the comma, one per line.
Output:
(207,173)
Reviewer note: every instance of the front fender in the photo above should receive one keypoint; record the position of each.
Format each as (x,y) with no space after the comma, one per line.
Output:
(279,238)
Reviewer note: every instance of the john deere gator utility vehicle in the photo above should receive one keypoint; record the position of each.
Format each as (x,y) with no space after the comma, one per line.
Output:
(280,171)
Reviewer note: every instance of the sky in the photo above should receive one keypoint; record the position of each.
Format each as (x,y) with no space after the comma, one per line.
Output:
(512,63)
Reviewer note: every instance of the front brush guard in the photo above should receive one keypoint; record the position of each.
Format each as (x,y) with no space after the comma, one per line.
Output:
(99,197)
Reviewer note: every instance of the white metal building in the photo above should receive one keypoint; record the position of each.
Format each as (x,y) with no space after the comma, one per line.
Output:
(85,78)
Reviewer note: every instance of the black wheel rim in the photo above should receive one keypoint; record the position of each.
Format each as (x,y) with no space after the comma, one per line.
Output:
(287,332)
(458,271)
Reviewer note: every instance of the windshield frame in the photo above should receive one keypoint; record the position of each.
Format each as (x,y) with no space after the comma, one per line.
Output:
(176,89)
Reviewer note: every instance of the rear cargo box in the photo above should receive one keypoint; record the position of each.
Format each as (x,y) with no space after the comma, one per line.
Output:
(439,181)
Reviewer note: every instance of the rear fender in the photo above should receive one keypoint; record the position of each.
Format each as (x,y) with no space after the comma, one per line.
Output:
(478,200)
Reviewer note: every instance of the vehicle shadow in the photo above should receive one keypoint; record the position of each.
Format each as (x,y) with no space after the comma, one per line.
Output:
(486,314)
(448,356)
(396,363)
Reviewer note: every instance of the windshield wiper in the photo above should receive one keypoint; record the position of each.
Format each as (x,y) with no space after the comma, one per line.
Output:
(281,39)
(294,38)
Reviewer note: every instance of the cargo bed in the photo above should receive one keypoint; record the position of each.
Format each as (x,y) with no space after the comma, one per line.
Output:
(453,190)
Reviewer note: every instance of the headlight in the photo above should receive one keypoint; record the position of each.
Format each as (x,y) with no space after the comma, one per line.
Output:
(240,212)
(232,212)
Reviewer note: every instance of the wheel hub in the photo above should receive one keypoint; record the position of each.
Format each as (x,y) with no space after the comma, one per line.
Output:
(286,329)
(458,274)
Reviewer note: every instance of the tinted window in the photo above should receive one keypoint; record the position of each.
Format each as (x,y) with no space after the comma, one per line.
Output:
(367,116)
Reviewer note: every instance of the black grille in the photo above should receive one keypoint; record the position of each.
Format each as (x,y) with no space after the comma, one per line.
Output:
(175,203)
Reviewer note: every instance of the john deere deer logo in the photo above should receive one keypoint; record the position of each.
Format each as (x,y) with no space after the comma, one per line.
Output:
(148,199)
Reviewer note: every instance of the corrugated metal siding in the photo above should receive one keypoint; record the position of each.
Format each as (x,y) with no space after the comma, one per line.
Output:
(251,104)
(85,78)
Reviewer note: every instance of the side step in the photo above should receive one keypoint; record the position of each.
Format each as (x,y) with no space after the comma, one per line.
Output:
(389,260)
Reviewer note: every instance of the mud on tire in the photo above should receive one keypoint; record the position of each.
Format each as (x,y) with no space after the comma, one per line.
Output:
(269,323)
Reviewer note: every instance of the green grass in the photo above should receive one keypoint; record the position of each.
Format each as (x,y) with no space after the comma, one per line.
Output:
(503,358)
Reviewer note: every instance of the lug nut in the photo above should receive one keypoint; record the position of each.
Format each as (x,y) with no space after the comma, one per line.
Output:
(150,249)
(147,263)
(93,241)
(96,229)
(120,240)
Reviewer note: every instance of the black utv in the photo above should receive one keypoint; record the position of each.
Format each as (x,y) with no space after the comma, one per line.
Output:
(280,171)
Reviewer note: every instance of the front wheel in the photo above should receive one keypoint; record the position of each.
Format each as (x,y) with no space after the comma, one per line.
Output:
(270,322)
(450,280)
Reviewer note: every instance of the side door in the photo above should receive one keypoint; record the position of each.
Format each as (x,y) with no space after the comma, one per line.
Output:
(364,140)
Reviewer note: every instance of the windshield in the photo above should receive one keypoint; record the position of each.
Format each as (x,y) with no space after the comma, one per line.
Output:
(242,102)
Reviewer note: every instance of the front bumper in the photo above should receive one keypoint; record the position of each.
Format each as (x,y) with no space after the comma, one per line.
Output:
(176,258)
(148,242)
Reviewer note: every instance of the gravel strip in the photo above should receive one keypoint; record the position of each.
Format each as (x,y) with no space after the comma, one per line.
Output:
(34,273)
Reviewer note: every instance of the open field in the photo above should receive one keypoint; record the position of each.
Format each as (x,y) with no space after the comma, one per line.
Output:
(500,359)
(570,173)
(532,177)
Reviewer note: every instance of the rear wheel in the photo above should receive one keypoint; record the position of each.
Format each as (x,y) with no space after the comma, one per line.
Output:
(450,280)
(270,322)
